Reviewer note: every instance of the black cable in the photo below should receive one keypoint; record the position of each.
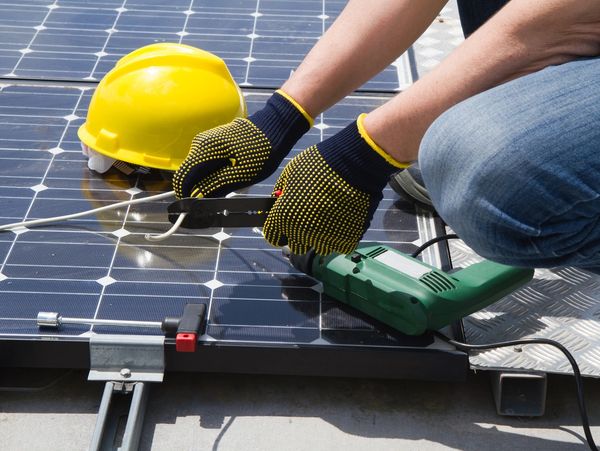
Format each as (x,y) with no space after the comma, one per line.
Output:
(437,239)
(578,379)
(466,347)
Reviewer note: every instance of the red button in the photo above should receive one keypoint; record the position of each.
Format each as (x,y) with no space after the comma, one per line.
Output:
(186,342)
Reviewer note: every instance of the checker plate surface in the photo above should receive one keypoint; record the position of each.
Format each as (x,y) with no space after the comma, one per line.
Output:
(559,304)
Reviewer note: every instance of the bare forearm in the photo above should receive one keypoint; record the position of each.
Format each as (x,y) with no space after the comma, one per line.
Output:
(525,36)
(365,39)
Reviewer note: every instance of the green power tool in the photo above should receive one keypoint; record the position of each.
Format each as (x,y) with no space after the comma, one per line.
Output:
(405,293)
(392,287)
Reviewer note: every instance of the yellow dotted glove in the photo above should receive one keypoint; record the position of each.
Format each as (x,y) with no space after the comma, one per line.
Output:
(243,152)
(329,194)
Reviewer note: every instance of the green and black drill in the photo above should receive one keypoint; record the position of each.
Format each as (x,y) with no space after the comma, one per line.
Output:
(405,293)
(388,285)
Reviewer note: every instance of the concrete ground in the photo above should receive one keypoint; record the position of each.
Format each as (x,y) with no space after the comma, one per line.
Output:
(238,412)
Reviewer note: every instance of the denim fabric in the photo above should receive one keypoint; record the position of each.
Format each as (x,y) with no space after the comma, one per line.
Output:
(515,171)
(473,13)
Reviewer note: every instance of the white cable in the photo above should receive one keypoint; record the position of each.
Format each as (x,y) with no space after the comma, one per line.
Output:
(169,232)
(36,222)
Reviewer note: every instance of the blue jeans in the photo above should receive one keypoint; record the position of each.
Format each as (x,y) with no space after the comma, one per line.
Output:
(515,170)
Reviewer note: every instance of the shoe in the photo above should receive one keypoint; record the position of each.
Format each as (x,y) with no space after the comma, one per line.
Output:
(410,185)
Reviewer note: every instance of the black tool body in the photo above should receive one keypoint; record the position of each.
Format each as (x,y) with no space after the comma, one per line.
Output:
(221,211)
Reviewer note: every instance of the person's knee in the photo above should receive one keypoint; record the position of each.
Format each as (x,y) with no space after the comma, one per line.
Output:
(454,162)
(484,185)
(468,169)
(512,185)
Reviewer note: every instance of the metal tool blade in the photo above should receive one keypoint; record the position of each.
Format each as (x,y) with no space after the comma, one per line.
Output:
(221,211)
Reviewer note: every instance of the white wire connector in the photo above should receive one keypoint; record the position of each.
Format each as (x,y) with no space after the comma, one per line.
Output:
(38,222)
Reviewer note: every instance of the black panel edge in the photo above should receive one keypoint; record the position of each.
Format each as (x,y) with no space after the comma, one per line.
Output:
(33,353)
(332,361)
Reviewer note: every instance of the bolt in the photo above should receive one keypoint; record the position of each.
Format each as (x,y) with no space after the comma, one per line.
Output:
(125,372)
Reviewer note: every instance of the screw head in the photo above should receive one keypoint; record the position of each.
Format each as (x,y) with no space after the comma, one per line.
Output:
(125,372)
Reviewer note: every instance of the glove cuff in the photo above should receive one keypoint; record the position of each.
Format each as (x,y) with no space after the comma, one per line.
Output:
(358,159)
(290,99)
(386,156)
(283,121)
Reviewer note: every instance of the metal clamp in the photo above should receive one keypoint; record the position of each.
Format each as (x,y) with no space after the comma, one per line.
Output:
(127,358)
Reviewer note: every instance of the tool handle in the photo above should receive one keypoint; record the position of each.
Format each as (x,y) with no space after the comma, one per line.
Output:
(491,277)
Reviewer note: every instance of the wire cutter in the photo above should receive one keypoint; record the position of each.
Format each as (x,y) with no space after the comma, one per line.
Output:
(221,211)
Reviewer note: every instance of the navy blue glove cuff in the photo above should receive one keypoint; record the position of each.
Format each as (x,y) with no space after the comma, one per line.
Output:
(348,154)
(281,122)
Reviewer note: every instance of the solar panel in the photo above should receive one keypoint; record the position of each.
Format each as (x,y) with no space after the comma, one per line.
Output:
(261,41)
(102,267)
(259,307)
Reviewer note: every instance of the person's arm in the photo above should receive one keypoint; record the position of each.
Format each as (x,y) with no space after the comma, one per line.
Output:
(524,37)
(364,40)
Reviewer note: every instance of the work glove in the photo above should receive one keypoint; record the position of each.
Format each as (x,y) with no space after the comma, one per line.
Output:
(329,193)
(243,152)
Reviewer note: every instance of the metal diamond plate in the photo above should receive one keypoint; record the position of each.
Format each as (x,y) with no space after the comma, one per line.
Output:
(438,41)
(559,304)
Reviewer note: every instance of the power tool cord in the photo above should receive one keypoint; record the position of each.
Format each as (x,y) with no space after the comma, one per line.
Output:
(437,239)
(578,379)
(503,344)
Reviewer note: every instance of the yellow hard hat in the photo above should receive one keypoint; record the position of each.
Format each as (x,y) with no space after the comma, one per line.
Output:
(149,107)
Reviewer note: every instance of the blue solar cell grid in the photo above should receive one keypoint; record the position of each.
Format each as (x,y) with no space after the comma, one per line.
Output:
(262,41)
(102,267)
